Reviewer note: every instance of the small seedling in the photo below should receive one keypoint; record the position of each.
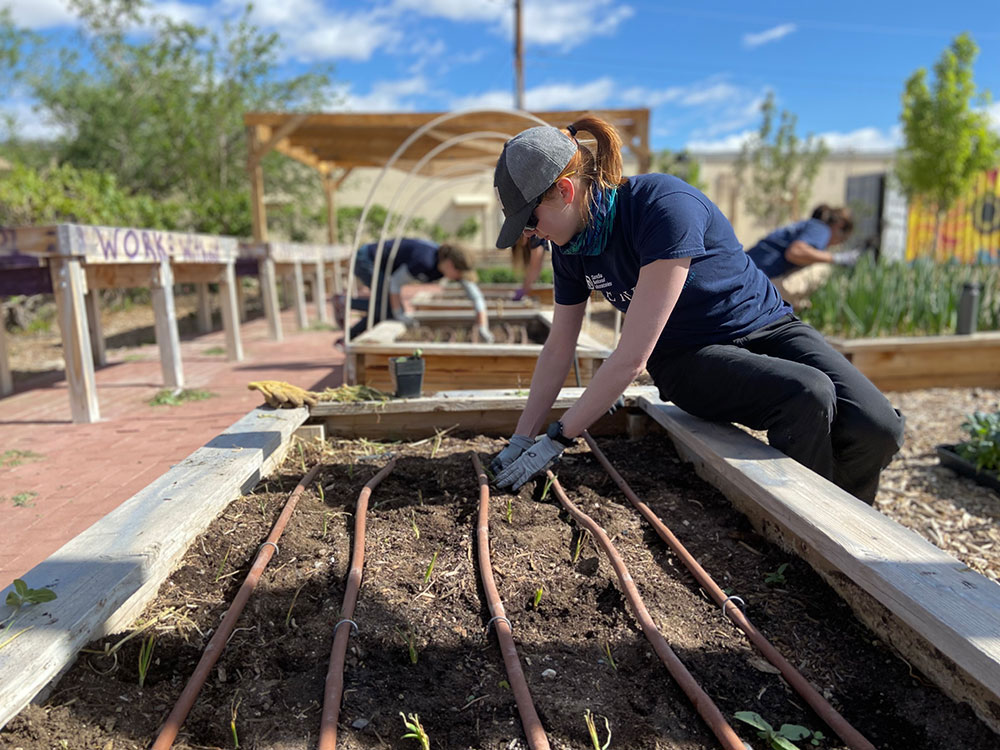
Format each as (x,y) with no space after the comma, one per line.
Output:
(410,638)
(588,719)
(538,597)
(413,522)
(16,457)
(326,521)
(510,510)
(20,597)
(232,723)
(415,731)
(776,577)
(430,568)
(548,485)
(579,544)
(438,437)
(778,739)
(295,596)
(145,658)
(302,455)
(222,565)
(607,653)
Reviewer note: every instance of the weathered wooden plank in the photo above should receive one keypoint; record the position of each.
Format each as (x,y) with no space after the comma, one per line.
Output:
(301,315)
(319,293)
(6,377)
(165,323)
(269,292)
(68,284)
(204,319)
(943,608)
(92,301)
(129,245)
(230,314)
(105,576)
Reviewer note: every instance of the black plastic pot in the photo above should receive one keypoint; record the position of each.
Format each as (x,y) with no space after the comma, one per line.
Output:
(949,458)
(407,376)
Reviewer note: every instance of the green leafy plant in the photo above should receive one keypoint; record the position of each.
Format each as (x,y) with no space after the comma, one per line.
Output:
(22,596)
(410,639)
(415,731)
(146,657)
(778,739)
(21,499)
(595,740)
(178,396)
(983,446)
(232,722)
(16,457)
(776,577)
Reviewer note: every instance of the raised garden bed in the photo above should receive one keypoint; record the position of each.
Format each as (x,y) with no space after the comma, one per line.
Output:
(463,363)
(543,293)
(271,677)
(903,363)
(955,462)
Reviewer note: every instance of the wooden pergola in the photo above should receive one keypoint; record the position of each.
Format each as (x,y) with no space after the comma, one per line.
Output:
(334,144)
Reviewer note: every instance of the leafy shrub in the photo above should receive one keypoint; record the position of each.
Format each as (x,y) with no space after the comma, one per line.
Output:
(497,275)
(983,446)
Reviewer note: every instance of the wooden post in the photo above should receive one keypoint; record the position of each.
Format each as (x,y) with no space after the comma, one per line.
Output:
(319,292)
(241,299)
(165,323)
(329,189)
(269,293)
(300,296)
(230,323)
(6,378)
(204,307)
(68,282)
(93,302)
(258,213)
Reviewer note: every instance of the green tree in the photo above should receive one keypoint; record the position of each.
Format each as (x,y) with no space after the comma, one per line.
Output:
(947,141)
(164,111)
(679,164)
(776,168)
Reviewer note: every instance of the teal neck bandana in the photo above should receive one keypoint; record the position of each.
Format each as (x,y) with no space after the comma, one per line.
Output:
(594,237)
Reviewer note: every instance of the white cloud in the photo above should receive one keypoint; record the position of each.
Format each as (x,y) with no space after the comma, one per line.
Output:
(40,14)
(563,24)
(993,112)
(863,139)
(385,96)
(180,12)
(597,93)
(751,41)
(27,124)
(730,143)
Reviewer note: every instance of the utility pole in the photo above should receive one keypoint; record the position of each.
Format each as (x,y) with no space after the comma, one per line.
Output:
(518,58)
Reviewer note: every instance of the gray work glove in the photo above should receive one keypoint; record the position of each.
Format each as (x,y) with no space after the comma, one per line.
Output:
(846,257)
(403,318)
(485,335)
(531,462)
(518,445)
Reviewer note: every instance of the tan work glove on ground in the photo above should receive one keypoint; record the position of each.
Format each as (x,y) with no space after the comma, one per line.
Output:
(278,393)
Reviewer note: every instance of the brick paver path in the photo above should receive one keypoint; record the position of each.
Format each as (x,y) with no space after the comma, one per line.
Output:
(83,471)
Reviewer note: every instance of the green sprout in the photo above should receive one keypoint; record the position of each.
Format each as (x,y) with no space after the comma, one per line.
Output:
(232,723)
(22,596)
(778,739)
(588,719)
(410,638)
(145,658)
(538,597)
(548,485)
(222,565)
(607,653)
(416,731)
(579,544)
(413,522)
(326,521)
(776,577)
(510,510)
(430,568)
(288,615)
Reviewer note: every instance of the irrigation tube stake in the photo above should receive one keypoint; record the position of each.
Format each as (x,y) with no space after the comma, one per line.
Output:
(703,704)
(334,690)
(530,722)
(217,643)
(851,736)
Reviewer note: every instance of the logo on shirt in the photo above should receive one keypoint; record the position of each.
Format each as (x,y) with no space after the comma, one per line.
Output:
(597,281)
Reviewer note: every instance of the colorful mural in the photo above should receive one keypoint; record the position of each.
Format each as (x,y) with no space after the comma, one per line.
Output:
(969,232)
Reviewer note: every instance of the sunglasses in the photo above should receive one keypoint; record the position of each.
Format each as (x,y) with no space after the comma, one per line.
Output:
(532,223)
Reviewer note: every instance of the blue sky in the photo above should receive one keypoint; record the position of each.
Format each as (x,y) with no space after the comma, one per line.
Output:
(703,72)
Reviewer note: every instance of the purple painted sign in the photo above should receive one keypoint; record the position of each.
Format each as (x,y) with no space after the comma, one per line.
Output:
(124,245)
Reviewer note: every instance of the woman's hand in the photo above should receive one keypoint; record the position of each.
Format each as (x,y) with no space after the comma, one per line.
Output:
(518,445)
(529,463)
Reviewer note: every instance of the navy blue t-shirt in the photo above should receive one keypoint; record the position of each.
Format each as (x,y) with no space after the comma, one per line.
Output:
(419,257)
(769,253)
(660,216)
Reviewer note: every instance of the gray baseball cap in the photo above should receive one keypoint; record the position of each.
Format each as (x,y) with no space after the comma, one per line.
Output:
(531,161)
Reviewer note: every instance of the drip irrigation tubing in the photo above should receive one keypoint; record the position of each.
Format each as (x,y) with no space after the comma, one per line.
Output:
(334,689)
(217,643)
(530,722)
(851,736)
(703,704)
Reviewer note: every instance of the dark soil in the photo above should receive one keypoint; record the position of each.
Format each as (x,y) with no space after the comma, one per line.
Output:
(503,333)
(269,682)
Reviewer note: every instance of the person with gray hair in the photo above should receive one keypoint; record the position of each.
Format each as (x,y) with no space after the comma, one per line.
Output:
(701,318)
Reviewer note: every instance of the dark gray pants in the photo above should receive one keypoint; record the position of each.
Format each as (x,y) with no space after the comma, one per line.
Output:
(785,378)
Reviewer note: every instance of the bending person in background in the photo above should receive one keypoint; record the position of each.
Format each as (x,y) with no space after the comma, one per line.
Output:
(795,257)
(416,261)
(704,321)
(527,254)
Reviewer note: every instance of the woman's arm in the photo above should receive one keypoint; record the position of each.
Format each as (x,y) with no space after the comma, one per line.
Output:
(803,254)
(552,367)
(656,292)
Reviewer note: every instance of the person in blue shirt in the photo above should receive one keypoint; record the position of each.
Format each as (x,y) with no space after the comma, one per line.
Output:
(415,261)
(712,331)
(795,257)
